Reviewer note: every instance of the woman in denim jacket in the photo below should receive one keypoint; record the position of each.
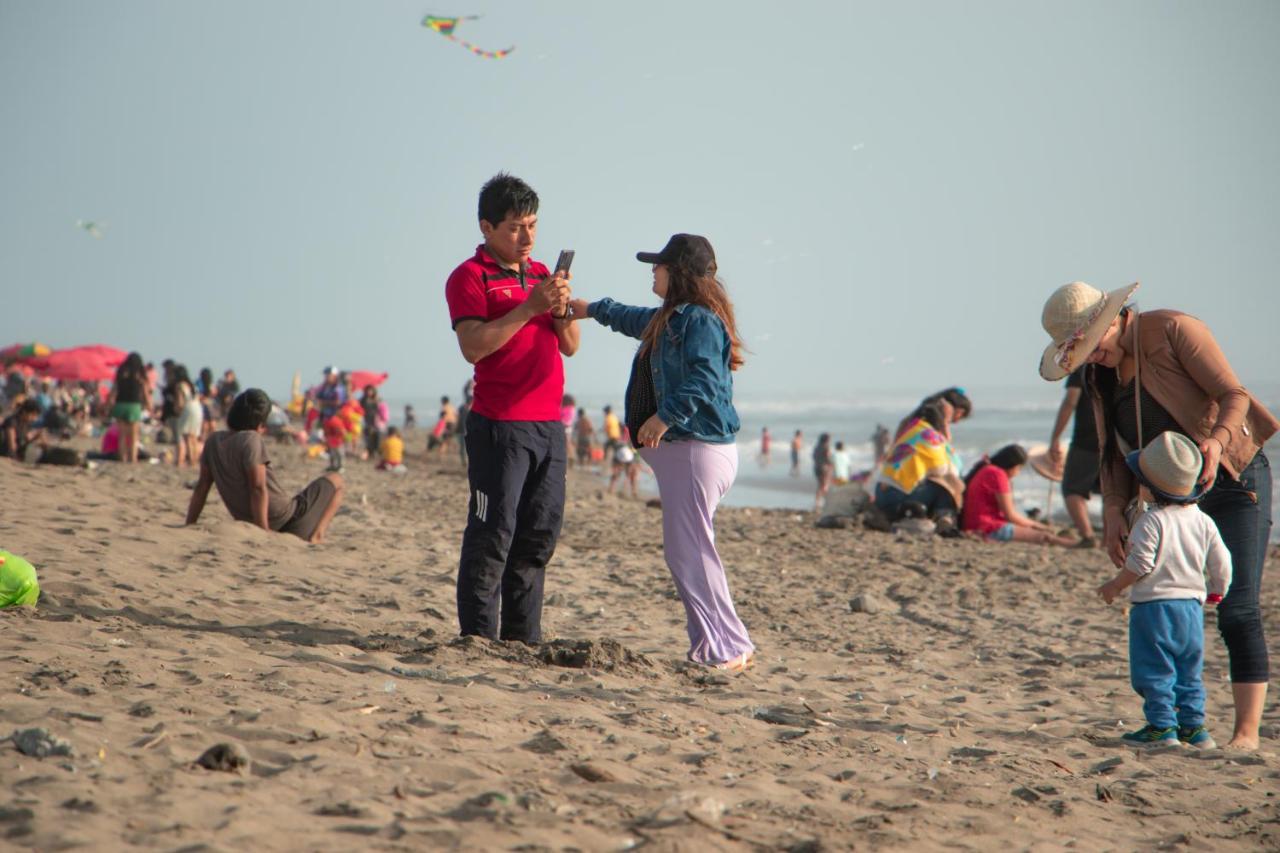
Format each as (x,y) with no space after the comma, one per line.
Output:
(679,409)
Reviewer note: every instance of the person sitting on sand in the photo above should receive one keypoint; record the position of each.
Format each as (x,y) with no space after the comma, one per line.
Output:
(392,451)
(679,408)
(922,468)
(988,502)
(1171,547)
(19,430)
(236,461)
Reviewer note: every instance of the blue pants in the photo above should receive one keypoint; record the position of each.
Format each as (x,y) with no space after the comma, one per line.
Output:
(1166,655)
(936,499)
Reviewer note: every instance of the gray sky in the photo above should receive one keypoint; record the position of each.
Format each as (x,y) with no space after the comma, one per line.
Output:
(892,189)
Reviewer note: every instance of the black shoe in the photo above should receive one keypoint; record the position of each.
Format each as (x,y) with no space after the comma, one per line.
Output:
(875,519)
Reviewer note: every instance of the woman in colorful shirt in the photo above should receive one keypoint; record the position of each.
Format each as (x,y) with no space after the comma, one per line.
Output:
(922,468)
(988,502)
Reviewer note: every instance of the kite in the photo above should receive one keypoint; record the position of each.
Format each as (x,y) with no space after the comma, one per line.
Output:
(93,229)
(446,26)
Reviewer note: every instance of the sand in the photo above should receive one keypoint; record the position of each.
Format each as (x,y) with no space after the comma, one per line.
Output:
(977,705)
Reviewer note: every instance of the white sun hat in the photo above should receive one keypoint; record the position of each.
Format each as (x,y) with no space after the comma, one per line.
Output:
(1076,316)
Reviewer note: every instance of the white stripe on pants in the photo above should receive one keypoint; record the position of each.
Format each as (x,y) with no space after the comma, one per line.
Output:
(692,478)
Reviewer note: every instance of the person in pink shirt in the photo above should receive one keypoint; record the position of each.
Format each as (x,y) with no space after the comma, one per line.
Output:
(988,502)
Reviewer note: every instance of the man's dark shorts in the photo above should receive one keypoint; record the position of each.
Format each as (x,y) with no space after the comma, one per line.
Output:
(312,502)
(1080,476)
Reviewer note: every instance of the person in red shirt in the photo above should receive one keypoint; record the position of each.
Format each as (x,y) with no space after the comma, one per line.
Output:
(514,323)
(988,502)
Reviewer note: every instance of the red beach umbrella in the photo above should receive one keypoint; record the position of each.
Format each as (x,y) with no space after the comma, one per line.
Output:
(76,365)
(360,379)
(111,356)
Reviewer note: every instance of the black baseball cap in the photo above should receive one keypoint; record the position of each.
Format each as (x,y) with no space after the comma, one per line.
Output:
(690,251)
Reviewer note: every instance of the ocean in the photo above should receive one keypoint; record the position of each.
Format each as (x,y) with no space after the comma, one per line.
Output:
(1000,417)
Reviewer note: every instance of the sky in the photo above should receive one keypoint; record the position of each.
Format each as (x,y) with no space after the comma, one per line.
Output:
(892,189)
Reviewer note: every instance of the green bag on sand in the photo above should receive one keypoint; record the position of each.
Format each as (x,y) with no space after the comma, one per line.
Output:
(17,581)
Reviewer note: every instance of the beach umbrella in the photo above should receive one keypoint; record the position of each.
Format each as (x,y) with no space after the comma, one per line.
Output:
(76,365)
(360,379)
(20,352)
(110,355)
(1042,463)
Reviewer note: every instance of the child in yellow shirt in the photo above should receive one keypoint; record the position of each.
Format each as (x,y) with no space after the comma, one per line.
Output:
(392,450)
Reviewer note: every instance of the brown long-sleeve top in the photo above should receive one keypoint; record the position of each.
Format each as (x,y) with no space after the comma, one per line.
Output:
(1185,371)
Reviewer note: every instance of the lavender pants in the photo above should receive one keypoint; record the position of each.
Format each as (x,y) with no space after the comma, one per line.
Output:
(692,478)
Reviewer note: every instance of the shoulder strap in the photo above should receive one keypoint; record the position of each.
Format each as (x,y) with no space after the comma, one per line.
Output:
(1137,375)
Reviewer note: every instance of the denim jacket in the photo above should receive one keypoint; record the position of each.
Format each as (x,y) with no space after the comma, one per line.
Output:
(690,369)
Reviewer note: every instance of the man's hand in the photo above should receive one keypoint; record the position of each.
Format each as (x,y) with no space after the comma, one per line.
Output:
(651,432)
(1116,538)
(550,295)
(1211,449)
(580,308)
(1055,453)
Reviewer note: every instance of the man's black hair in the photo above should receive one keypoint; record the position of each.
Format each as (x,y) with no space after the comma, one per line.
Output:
(504,195)
(249,410)
(29,407)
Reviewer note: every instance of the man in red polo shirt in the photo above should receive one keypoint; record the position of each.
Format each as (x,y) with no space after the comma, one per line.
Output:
(512,319)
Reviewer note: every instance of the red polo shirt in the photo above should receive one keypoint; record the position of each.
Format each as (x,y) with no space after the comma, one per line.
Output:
(524,379)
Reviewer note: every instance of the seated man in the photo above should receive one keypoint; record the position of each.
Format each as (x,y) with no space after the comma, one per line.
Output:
(236,460)
(19,431)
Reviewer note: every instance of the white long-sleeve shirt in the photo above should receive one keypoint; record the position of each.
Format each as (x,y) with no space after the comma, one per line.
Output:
(1171,548)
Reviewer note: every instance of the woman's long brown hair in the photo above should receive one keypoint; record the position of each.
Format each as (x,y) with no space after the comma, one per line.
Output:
(705,290)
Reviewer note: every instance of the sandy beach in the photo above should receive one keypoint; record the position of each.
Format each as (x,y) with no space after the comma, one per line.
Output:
(977,706)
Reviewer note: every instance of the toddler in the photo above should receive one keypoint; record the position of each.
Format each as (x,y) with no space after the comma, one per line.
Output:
(1171,546)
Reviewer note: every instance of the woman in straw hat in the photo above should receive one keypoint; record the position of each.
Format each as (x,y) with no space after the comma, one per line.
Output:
(1160,371)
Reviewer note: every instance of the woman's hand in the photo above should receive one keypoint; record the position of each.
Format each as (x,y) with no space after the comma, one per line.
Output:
(579,307)
(1211,449)
(1116,538)
(651,432)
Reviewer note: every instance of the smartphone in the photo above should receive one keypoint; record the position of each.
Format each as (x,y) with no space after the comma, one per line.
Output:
(565,260)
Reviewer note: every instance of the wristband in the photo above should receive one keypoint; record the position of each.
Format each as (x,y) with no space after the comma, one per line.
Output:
(1213,598)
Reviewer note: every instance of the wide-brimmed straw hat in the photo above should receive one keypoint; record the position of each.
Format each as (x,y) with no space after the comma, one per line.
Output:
(1041,462)
(1076,317)
(1169,466)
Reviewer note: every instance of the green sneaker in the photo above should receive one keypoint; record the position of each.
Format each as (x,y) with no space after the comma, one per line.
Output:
(1197,736)
(1152,736)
